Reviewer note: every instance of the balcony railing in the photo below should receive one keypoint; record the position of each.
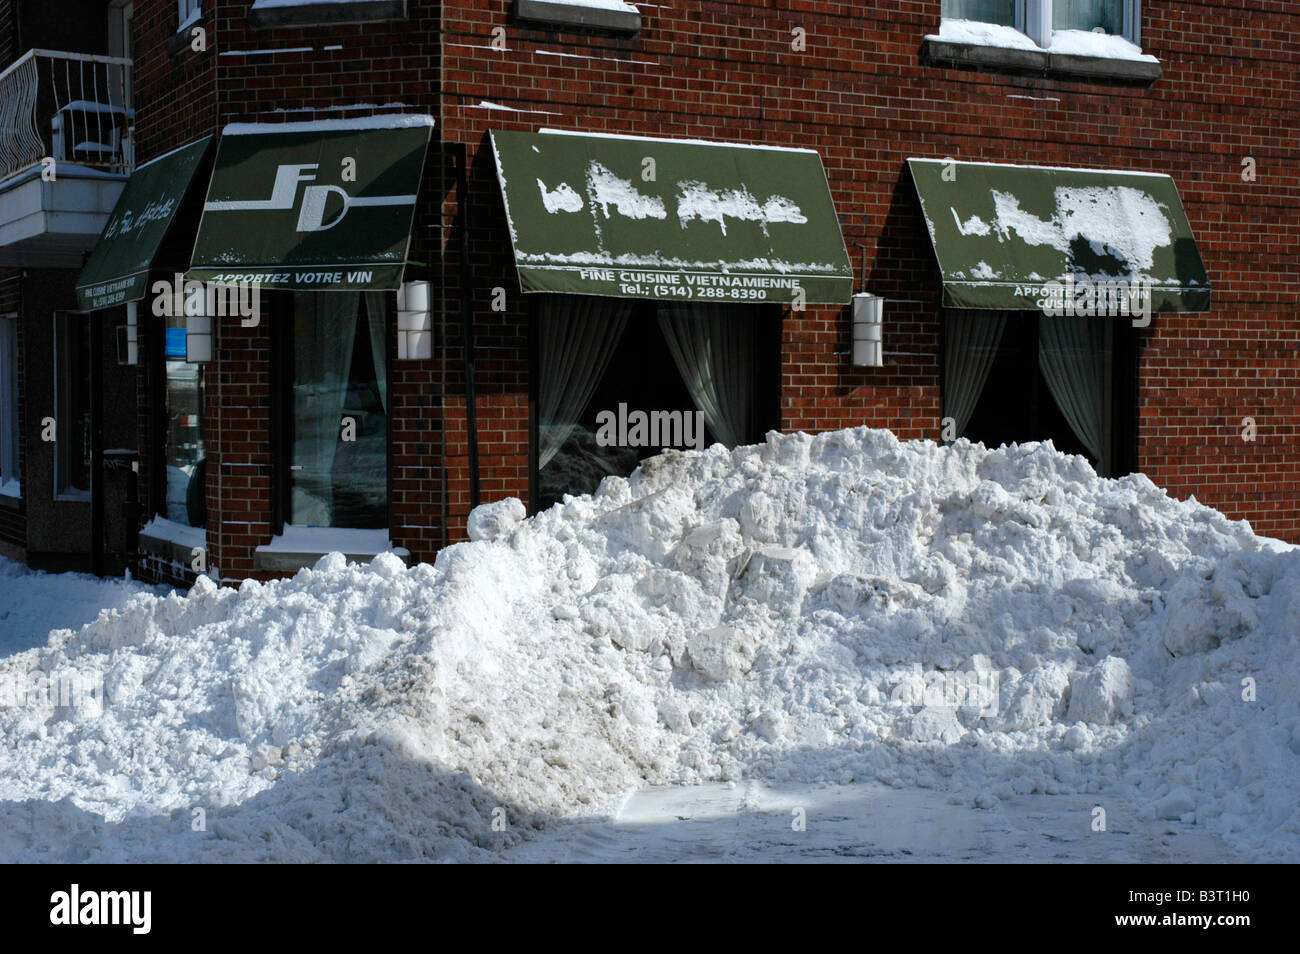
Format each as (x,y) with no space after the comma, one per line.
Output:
(71,107)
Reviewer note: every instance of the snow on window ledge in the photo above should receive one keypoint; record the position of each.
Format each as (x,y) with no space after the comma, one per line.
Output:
(613,15)
(1104,45)
(171,540)
(273,13)
(300,547)
(975,45)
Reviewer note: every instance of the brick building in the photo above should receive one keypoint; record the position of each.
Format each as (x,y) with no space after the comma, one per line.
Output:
(1150,141)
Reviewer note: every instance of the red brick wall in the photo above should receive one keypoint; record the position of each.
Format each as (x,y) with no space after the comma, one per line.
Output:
(860,95)
(8,32)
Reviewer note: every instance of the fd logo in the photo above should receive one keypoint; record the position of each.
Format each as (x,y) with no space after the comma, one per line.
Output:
(311,215)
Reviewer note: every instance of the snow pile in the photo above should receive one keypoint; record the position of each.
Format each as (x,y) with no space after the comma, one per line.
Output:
(799,610)
(32,602)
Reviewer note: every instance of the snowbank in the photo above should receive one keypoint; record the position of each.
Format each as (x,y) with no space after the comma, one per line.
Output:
(797,611)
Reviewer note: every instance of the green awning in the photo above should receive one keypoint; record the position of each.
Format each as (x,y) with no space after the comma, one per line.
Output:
(313,206)
(117,270)
(1001,233)
(634,217)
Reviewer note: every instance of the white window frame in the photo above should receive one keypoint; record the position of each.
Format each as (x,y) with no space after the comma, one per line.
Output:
(1034,19)
(10,466)
(187,12)
(63,438)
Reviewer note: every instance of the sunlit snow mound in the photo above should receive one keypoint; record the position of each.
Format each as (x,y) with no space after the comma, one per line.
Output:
(788,611)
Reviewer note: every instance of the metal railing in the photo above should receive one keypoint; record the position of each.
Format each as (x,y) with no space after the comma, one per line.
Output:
(71,107)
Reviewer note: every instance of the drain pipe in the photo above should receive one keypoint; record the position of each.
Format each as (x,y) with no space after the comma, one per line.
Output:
(467,322)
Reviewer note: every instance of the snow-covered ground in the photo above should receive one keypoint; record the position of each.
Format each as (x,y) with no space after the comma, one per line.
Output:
(953,652)
(34,603)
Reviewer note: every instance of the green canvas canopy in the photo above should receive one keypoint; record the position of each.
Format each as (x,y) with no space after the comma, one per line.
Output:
(117,270)
(1002,232)
(314,206)
(636,217)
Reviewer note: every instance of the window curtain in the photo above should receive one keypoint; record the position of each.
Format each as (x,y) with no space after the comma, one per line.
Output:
(322,362)
(985,11)
(578,336)
(1088,15)
(971,340)
(377,314)
(1072,357)
(713,347)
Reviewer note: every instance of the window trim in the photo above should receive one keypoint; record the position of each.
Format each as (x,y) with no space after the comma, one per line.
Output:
(60,421)
(10,436)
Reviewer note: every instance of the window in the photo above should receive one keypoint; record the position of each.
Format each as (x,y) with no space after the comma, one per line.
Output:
(10,476)
(1013,377)
(183,438)
(338,421)
(188,12)
(1041,20)
(71,406)
(1002,12)
(1104,15)
(621,379)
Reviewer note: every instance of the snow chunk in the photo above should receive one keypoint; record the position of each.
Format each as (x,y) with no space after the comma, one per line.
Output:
(491,521)
(1104,695)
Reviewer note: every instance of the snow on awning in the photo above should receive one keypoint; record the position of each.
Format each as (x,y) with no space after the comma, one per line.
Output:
(117,270)
(670,219)
(313,206)
(1002,232)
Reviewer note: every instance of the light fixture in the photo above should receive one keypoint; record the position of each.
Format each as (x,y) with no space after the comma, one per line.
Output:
(128,336)
(868,327)
(414,322)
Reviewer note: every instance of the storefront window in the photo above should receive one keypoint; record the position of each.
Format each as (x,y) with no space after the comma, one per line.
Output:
(72,405)
(983,11)
(621,380)
(338,467)
(184,437)
(1107,15)
(1013,377)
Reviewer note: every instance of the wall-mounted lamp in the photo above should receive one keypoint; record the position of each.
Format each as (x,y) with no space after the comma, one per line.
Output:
(128,336)
(198,326)
(868,329)
(414,322)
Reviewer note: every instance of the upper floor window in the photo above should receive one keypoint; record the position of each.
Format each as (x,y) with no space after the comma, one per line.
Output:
(189,12)
(1051,24)
(1002,12)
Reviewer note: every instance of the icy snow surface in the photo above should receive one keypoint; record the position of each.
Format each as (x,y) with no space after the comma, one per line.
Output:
(723,616)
